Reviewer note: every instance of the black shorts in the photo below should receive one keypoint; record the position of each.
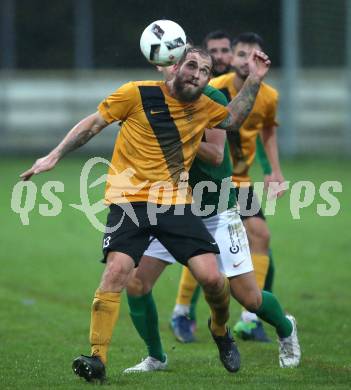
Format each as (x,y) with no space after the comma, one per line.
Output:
(248,203)
(184,236)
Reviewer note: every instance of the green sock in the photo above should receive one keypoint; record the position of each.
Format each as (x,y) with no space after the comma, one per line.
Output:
(271,312)
(268,284)
(194,300)
(145,319)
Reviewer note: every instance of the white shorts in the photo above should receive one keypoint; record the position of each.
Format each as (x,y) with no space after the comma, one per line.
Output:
(230,235)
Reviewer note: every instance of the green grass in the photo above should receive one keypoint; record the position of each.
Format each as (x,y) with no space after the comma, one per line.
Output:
(49,271)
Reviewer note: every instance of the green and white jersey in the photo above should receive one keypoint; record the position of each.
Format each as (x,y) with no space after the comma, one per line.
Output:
(202,171)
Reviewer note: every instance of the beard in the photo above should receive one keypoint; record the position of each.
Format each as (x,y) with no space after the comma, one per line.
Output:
(218,72)
(184,94)
(243,75)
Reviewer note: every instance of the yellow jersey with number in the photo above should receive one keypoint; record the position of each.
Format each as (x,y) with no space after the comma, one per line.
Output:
(263,115)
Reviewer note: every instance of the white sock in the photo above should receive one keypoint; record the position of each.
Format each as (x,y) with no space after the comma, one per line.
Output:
(181,310)
(247,316)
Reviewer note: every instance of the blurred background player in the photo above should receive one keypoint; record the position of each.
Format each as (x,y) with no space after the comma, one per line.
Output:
(243,147)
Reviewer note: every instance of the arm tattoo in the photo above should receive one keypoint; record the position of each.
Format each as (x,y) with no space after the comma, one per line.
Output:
(75,141)
(227,121)
(241,106)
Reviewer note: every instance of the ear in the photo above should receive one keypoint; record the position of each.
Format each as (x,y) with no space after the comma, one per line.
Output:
(174,68)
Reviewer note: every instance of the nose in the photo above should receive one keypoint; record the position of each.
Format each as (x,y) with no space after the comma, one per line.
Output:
(246,58)
(196,73)
(217,56)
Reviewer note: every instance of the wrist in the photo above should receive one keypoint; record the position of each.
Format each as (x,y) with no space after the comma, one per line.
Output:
(56,154)
(277,175)
(255,78)
(276,171)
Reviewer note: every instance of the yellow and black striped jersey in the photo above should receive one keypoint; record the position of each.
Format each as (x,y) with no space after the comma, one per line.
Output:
(158,140)
(263,115)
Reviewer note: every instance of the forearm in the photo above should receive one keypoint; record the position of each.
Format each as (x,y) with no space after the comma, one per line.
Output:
(79,135)
(210,153)
(242,104)
(262,157)
(269,138)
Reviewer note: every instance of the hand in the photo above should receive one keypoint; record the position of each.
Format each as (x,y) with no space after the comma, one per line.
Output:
(274,182)
(259,64)
(41,165)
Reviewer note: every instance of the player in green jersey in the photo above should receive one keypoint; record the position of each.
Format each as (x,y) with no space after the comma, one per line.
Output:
(218,44)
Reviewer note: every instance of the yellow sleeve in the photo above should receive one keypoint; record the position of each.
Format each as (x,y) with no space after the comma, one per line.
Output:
(271,115)
(217,113)
(119,105)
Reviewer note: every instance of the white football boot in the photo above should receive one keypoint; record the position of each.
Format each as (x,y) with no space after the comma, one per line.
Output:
(148,364)
(289,347)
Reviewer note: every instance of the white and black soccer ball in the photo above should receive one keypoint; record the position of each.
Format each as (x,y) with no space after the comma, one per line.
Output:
(163,42)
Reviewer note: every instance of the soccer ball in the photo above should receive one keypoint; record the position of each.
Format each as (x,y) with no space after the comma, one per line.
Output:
(163,42)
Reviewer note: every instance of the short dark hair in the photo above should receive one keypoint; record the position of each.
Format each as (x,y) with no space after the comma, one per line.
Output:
(189,42)
(248,37)
(218,34)
(194,49)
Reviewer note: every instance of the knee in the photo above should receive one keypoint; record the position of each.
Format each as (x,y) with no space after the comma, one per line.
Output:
(115,269)
(211,281)
(115,276)
(259,239)
(262,235)
(137,287)
(265,236)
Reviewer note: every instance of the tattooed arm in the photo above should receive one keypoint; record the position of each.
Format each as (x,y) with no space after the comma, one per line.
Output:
(240,107)
(78,136)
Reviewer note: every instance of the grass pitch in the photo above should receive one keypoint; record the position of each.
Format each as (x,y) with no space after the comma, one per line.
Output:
(50,269)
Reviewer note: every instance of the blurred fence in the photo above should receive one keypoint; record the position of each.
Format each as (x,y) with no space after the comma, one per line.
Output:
(308,41)
(37,109)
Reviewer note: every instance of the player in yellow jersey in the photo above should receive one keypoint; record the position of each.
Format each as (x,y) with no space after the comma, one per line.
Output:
(163,124)
(260,123)
(218,44)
